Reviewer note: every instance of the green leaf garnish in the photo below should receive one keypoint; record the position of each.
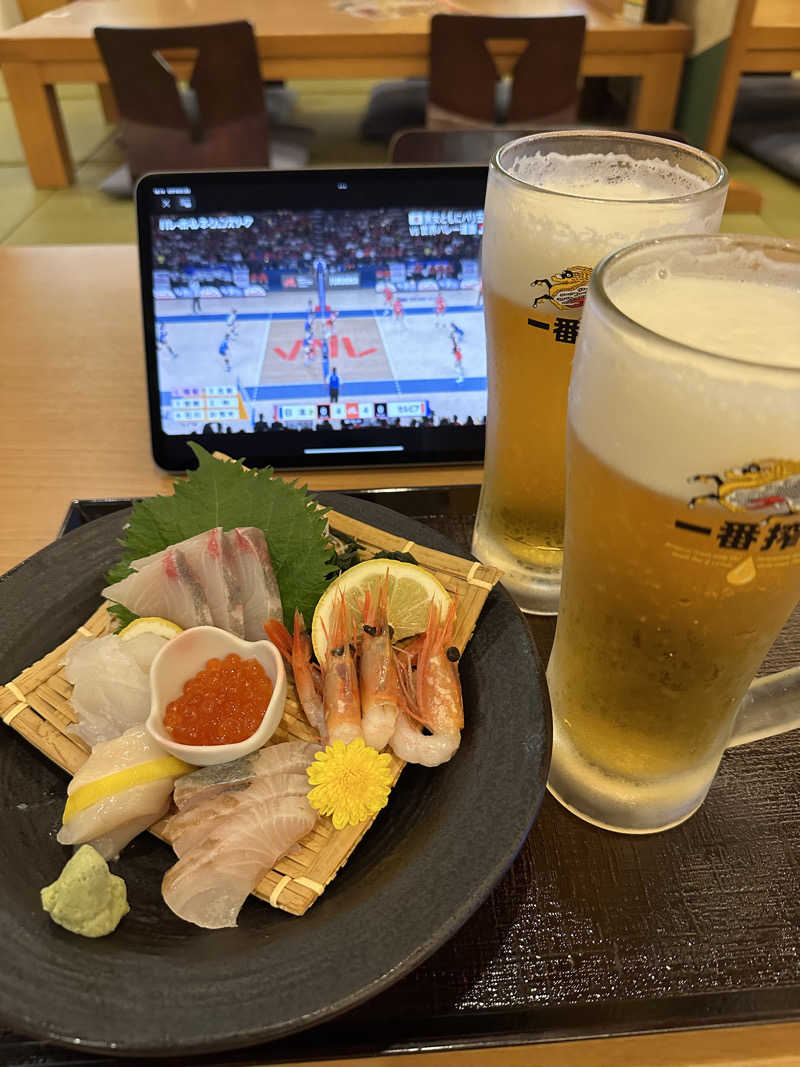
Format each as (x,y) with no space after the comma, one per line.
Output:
(222,493)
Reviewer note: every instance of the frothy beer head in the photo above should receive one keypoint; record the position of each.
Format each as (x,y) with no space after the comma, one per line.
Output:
(690,350)
(606,176)
(559,200)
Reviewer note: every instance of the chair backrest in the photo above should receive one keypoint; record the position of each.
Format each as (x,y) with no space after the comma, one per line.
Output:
(222,122)
(475,144)
(464,75)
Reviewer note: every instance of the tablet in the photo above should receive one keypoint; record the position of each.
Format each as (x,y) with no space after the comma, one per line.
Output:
(316,318)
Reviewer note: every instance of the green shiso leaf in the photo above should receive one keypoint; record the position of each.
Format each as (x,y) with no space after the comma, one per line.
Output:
(222,493)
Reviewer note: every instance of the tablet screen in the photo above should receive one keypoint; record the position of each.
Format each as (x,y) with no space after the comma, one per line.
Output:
(346,331)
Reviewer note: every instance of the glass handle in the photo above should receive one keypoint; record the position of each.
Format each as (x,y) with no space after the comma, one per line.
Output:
(770,706)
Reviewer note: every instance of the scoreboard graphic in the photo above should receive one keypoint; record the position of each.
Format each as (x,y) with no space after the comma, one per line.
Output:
(210,403)
(352,410)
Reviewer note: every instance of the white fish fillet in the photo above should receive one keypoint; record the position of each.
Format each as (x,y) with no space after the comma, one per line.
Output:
(111,844)
(213,578)
(210,556)
(190,828)
(115,820)
(111,691)
(254,566)
(157,557)
(232,588)
(168,587)
(285,757)
(144,648)
(210,883)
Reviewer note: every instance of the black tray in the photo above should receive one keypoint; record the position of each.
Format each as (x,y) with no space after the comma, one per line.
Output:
(589,933)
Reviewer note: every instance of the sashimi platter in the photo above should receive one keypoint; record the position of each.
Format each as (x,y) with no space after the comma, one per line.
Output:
(257,675)
(262,754)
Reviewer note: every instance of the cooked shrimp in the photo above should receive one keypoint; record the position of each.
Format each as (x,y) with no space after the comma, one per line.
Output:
(340,695)
(296,650)
(380,684)
(433,698)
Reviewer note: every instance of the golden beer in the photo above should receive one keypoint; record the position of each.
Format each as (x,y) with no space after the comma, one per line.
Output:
(555,205)
(524,499)
(655,648)
(682,548)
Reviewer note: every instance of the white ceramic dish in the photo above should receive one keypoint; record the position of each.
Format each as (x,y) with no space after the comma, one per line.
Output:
(181,659)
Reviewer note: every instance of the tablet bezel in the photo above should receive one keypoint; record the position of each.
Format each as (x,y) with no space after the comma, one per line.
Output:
(386,186)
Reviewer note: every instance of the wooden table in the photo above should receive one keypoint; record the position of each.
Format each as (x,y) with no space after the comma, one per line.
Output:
(765,39)
(306,39)
(74,424)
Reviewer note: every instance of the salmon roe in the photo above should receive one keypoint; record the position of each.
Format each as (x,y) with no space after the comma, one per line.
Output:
(224,703)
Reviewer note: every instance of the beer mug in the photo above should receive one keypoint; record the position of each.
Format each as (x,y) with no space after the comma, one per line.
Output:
(682,539)
(556,203)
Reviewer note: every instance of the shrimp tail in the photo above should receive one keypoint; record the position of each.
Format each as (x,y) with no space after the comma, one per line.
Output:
(280,637)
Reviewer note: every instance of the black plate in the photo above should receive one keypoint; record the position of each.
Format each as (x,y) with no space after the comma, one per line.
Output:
(159,986)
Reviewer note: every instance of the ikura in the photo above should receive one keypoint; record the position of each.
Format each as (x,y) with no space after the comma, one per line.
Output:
(222,704)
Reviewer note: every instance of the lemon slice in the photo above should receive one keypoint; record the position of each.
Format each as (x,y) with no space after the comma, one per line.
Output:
(141,773)
(151,624)
(410,592)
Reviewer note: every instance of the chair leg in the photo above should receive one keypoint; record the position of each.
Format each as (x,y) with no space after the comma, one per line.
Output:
(743,198)
(108,103)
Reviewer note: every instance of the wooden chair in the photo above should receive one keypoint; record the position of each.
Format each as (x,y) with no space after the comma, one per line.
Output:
(220,121)
(470,57)
(473,145)
(478,145)
(733,66)
(741,196)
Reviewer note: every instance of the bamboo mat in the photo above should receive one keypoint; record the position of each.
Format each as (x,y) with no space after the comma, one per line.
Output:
(37,705)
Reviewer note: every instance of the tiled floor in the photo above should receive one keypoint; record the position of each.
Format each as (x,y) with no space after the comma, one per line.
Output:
(84,215)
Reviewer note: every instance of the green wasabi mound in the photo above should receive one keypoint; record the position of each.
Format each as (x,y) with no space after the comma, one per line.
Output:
(86,898)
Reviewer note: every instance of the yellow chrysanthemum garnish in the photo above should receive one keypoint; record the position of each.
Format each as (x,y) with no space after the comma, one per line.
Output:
(351,782)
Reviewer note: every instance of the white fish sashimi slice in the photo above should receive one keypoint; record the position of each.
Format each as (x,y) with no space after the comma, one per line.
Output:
(110,691)
(209,885)
(208,782)
(157,557)
(286,756)
(190,828)
(262,597)
(130,706)
(111,844)
(136,745)
(144,648)
(211,560)
(168,588)
(211,557)
(204,556)
(234,589)
(127,813)
(116,819)
(283,758)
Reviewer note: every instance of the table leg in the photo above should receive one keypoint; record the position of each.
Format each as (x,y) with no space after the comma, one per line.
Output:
(109,103)
(40,126)
(656,100)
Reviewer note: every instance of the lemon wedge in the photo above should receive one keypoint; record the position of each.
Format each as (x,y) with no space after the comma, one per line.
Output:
(411,589)
(150,624)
